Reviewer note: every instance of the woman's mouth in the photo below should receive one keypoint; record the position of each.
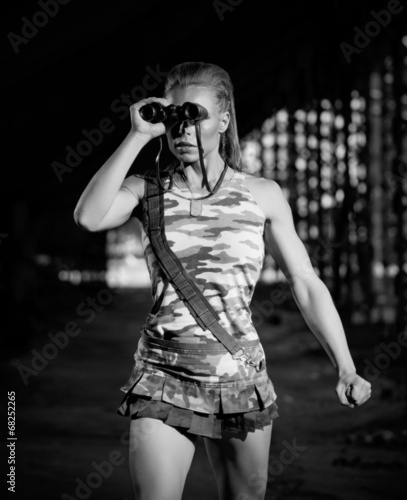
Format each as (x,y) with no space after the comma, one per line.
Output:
(187,146)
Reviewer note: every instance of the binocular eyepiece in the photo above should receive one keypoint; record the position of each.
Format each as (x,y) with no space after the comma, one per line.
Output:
(155,112)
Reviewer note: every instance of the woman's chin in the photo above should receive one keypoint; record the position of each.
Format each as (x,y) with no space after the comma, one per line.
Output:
(187,156)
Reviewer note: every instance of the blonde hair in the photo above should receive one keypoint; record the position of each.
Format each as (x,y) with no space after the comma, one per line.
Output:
(218,80)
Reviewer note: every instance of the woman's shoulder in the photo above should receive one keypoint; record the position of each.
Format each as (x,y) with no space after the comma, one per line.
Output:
(260,183)
(266,192)
(136,182)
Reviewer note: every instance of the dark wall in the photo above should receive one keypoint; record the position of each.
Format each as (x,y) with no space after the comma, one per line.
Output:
(66,78)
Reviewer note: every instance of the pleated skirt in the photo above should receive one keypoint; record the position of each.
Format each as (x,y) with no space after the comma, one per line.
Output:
(199,387)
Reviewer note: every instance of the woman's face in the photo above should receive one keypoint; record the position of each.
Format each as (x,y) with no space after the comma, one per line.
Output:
(181,135)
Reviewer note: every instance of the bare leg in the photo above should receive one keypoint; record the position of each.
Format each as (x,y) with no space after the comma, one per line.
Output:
(160,458)
(240,463)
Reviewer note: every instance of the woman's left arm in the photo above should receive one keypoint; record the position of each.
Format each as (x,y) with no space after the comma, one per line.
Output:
(310,293)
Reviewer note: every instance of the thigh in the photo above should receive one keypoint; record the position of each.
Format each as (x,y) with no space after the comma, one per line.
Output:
(160,458)
(240,463)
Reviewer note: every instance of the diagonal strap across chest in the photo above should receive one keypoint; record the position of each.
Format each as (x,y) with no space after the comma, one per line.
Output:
(200,308)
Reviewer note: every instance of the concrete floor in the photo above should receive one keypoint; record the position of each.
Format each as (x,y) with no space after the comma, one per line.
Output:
(67,421)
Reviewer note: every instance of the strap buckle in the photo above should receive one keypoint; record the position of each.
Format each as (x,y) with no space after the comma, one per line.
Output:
(243,354)
(258,365)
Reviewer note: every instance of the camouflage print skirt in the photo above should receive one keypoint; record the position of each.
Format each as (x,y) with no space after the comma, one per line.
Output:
(199,387)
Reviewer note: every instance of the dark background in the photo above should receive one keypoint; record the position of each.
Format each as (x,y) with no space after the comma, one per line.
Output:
(70,75)
(66,79)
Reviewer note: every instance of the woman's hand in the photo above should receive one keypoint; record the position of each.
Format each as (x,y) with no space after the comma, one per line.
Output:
(140,126)
(353,390)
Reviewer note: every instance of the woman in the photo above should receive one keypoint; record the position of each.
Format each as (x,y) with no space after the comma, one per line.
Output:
(185,383)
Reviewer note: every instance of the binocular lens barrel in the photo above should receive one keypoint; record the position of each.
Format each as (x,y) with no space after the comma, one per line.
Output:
(189,111)
(153,112)
(194,112)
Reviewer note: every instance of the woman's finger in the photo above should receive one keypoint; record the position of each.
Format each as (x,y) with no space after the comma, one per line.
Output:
(360,391)
(342,395)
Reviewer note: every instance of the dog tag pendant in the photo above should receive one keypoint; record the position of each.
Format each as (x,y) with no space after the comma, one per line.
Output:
(196,208)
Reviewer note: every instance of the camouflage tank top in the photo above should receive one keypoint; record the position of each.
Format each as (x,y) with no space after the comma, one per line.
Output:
(222,250)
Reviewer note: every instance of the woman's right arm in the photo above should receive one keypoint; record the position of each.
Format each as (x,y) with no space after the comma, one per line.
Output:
(103,204)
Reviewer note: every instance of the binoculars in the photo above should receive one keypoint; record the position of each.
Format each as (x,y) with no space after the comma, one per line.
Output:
(189,111)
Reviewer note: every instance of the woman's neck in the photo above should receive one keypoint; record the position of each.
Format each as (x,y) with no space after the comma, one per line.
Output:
(194,175)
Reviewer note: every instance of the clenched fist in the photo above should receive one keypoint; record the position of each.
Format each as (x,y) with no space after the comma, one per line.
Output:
(353,390)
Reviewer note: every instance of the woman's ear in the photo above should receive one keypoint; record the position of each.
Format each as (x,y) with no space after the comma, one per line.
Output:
(224,122)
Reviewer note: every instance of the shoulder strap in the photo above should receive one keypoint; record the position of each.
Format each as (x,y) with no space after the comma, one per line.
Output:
(189,293)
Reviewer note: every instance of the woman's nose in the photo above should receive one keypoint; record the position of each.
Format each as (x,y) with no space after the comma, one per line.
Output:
(182,126)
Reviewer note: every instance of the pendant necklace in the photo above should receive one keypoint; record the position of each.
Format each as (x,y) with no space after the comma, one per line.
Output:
(196,206)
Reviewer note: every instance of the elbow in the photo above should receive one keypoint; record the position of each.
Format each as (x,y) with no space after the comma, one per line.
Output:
(81,222)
